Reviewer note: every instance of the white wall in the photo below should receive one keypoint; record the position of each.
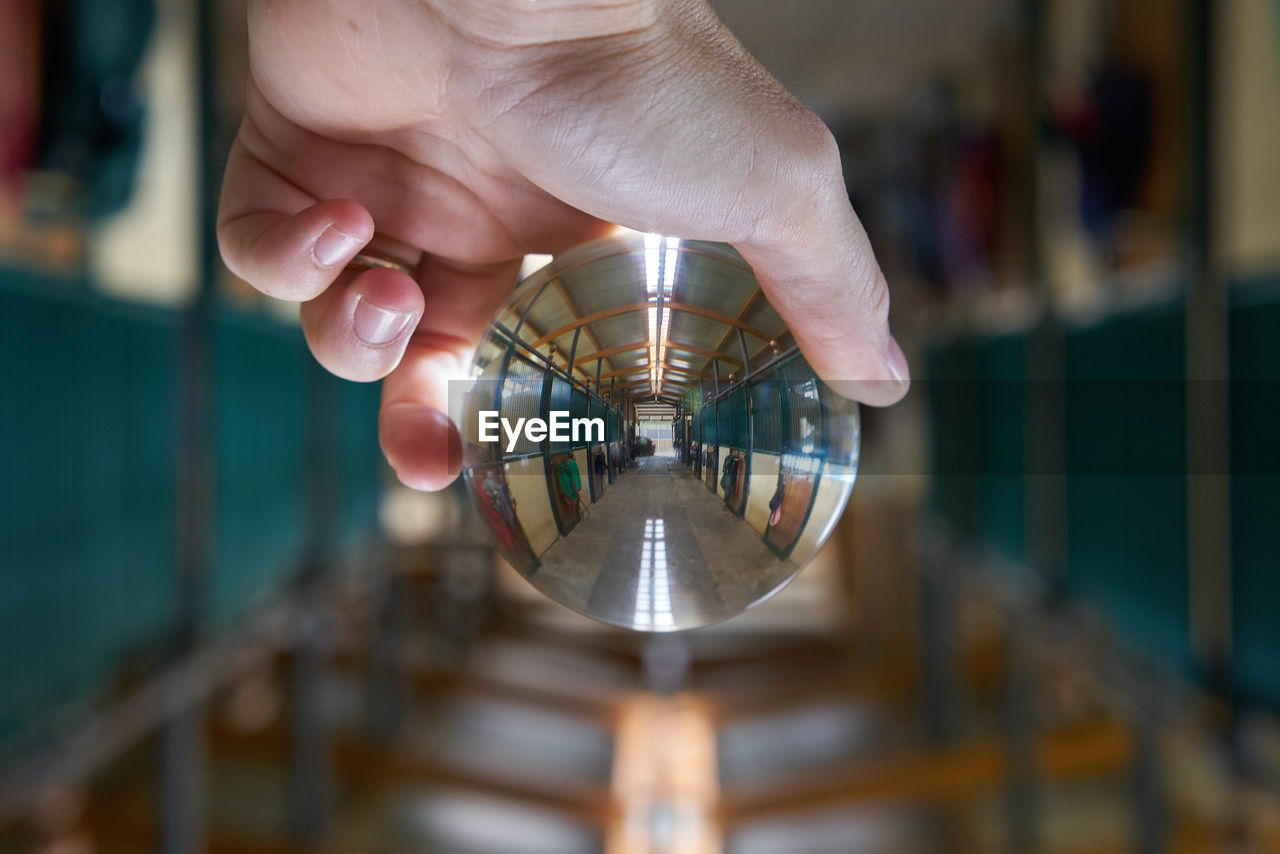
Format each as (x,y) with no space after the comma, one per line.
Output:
(528,485)
(763,483)
(148,250)
(1249,93)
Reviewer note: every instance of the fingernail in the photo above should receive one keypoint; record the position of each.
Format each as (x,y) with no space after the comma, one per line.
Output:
(333,247)
(898,364)
(376,325)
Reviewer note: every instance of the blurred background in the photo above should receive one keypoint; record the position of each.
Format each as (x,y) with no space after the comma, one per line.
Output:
(1046,623)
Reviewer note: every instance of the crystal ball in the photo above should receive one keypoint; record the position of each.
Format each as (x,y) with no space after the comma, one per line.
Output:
(644,439)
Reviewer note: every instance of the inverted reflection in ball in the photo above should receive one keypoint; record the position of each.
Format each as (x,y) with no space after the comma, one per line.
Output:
(645,440)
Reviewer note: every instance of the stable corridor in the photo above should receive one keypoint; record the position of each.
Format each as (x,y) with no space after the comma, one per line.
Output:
(697,561)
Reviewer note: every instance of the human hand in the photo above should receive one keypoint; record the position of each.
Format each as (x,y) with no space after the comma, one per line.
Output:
(472,132)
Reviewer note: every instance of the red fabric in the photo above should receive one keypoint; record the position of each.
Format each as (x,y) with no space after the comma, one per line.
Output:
(19,89)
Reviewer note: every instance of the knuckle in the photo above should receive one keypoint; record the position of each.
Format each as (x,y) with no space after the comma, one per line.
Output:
(815,145)
(811,148)
(809,168)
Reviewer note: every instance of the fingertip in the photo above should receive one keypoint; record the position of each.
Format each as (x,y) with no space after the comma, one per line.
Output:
(877,393)
(390,289)
(422,445)
(295,256)
(360,332)
(347,216)
(886,384)
(344,228)
(899,369)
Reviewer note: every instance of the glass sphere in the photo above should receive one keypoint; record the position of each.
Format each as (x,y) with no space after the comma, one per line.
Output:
(645,440)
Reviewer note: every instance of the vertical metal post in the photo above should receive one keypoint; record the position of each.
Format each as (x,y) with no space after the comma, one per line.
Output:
(742,349)
(182,771)
(941,694)
(1151,819)
(323,488)
(1208,369)
(182,745)
(524,315)
(599,363)
(390,693)
(1045,413)
(715,372)
(573,353)
(1045,453)
(311,774)
(1023,794)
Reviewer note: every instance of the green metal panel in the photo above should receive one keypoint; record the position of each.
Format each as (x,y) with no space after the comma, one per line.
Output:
(362,471)
(521,397)
(1255,489)
(579,406)
(561,398)
(1126,490)
(88,455)
(88,447)
(999,438)
(954,433)
(766,416)
(261,411)
(735,419)
(803,430)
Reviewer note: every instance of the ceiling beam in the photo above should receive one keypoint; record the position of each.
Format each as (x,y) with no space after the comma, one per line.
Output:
(578,367)
(621,372)
(751,303)
(613,351)
(643,306)
(703,351)
(684,371)
(573,310)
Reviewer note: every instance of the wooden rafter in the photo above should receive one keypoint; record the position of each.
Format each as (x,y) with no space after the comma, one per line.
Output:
(703,351)
(685,372)
(578,366)
(613,351)
(751,303)
(573,310)
(621,372)
(642,306)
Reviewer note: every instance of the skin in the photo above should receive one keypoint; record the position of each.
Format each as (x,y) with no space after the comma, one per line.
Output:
(468,133)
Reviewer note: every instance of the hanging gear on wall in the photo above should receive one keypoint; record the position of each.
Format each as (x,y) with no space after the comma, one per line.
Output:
(92,115)
(729,478)
(568,481)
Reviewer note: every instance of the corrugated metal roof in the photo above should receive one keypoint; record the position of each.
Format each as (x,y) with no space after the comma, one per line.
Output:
(621,297)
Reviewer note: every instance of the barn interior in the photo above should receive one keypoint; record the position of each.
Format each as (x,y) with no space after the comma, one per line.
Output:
(1044,622)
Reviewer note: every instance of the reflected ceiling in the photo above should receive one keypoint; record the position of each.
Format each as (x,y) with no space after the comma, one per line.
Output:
(712,463)
(619,316)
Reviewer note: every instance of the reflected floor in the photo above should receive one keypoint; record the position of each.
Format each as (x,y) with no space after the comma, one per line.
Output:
(660,551)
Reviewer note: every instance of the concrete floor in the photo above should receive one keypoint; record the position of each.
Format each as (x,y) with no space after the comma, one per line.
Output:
(660,551)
